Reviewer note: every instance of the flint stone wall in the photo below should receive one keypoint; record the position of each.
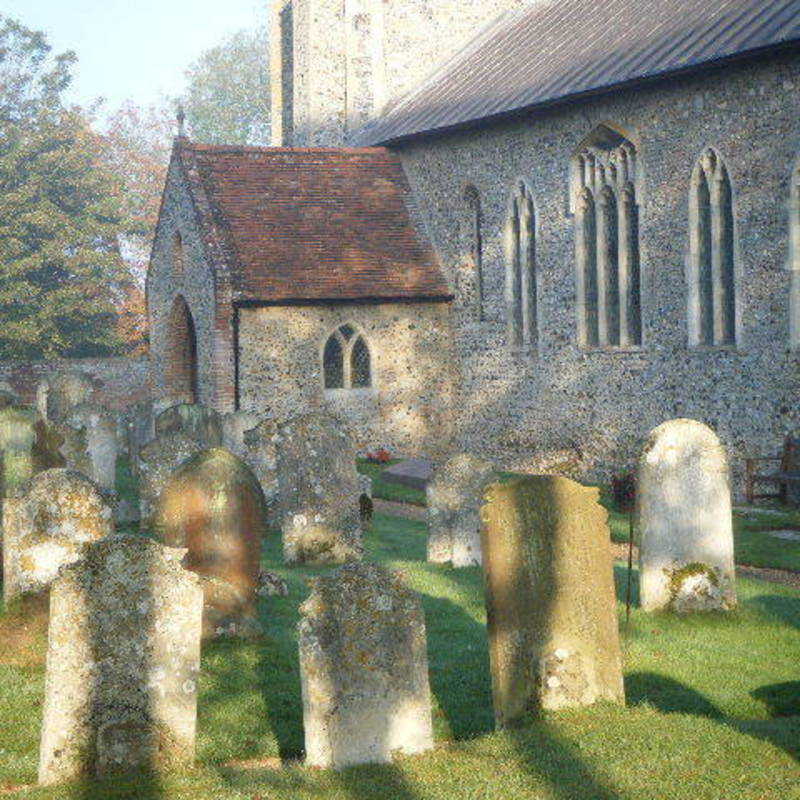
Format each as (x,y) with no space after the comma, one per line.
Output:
(318,491)
(214,507)
(363,668)
(454,498)
(685,520)
(550,600)
(122,662)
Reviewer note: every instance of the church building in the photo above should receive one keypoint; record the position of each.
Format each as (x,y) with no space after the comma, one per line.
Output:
(534,230)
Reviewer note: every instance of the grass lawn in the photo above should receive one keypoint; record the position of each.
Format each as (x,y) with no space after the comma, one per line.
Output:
(385,490)
(713,707)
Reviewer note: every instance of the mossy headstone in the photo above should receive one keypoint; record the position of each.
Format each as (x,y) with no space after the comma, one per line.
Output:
(550,601)
(90,443)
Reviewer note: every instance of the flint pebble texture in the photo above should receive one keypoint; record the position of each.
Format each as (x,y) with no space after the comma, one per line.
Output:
(235,425)
(318,491)
(90,443)
(45,531)
(454,499)
(157,461)
(122,662)
(63,392)
(200,423)
(685,520)
(550,601)
(363,668)
(213,506)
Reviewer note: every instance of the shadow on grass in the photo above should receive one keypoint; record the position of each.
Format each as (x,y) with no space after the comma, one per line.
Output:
(779,607)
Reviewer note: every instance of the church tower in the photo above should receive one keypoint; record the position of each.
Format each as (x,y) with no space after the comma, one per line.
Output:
(336,64)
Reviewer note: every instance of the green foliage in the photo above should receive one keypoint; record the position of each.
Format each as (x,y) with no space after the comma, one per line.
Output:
(60,212)
(227,99)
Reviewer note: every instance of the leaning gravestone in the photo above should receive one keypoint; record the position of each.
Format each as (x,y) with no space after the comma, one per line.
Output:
(122,662)
(62,511)
(550,602)
(454,497)
(363,668)
(90,443)
(318,490)
(66,391)
(213,506)
(195,421)
(157,461)
(685,520)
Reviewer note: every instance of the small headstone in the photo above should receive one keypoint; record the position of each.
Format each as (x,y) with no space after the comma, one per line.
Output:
(454,498)
(66,391)
(157,461)
(213,506)
(234,427)
(363,668)
(550,601)
(415,473)
(90,443)
(62,511)
(317,504)
(198,422)
(122,663)
(17,443)
(140,429)
(685,521)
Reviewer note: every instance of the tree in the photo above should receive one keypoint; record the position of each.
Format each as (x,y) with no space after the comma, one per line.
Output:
(227,96)
(61,212)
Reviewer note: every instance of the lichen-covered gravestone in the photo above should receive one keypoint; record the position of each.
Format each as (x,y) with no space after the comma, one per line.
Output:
(64,392)
(90,443)
(318,491)
(363,668)
(17,442)
(454,499)
(122,662)
(62,511)
(550,602)
(200,423)
(685,520)
(213,506)
(234,427)
(157,461)
(261,455)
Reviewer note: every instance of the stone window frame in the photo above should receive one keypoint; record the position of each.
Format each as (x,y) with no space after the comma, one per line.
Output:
(347,345)
(474,208)
(794,256)
(613,156)
(722,331)
(521,269)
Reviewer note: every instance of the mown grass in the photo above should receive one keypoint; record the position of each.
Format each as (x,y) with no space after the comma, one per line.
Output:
(386,490)
(713,707)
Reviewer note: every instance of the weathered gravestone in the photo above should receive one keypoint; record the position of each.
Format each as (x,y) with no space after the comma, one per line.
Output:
(213,506)
(157,461)
(234,427)
(139,429)
(685,520)
(550,602)
(318,491)
(363,668)
(90,443)
(194,421)
(261,455)
(62,511)
(64,392)
(17,444)
(454,498)
(122,662)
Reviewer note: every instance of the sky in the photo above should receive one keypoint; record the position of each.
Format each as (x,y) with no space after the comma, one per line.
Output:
(134,49)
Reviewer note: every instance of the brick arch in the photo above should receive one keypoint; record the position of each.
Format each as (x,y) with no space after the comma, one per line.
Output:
(181,356)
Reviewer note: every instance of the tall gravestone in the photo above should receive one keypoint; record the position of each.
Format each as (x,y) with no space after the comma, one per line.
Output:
(90,443)
(363,668)
(213,506)
(260,452)
(157,461)
(200,423)
(454,499)
(318,490)
(685,520)
(550,601)
(62,511)
(64,392)
(122,662)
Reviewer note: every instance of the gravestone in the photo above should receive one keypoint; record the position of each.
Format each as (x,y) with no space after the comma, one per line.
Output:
(454,498)
(363,668)
(685,520)
(139,429)
(18,434)
(62,511)
(122,662)
(213,506)
(235,425)
(66,391)
(415,473)
(157,461)
(550,601)
(90,443)
(318,491)
(261,455)
(194,421)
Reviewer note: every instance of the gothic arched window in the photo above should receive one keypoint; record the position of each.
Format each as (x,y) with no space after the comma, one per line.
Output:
(346,360)
(712,283)
(607,241)
(521,297)
(475,233)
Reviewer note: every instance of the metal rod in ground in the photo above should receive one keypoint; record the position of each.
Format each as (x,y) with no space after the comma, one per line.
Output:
(630,568)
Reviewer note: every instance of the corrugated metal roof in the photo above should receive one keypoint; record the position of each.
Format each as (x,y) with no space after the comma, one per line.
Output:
(554,50)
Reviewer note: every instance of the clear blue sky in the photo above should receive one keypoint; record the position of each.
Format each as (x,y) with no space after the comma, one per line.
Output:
(135,49)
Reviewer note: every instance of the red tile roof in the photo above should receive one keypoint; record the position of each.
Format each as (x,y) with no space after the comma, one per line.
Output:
(314,224)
